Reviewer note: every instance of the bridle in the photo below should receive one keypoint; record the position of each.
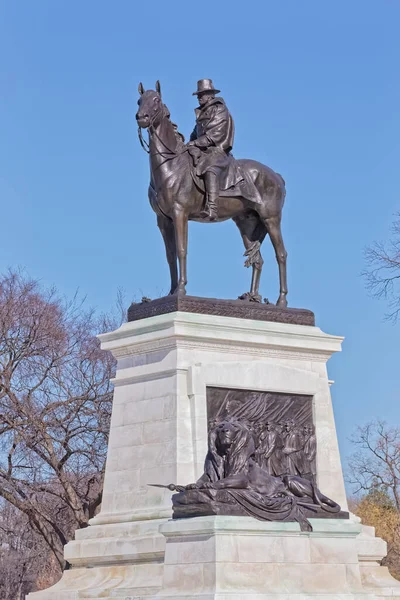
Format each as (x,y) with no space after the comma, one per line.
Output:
(142,141)
(168,153)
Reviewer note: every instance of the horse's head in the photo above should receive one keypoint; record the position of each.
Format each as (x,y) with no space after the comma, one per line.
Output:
(150,105)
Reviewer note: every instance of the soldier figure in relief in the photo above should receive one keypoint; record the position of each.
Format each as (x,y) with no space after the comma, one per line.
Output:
(310,448)
(297,462)
(269,452)
(210,145)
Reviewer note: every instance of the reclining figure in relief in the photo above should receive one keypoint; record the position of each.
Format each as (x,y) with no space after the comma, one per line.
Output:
(234,484)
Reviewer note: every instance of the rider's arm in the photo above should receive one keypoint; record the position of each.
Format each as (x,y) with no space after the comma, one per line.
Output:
(216,128)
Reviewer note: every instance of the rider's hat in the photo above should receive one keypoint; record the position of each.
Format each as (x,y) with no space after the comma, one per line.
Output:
(205,85)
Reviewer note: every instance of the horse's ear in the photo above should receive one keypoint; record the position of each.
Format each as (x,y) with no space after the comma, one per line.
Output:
(158,88)
(141,88)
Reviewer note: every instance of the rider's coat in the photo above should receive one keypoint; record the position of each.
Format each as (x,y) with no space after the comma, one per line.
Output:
(214,135)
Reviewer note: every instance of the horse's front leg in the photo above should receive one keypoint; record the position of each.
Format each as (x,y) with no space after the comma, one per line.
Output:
(166,227)
(180,220)
(273,225)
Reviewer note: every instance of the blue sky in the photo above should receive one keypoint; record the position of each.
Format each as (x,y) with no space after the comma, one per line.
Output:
(314,90)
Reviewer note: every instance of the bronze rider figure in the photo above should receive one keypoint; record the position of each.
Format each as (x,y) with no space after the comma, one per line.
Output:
(210,145)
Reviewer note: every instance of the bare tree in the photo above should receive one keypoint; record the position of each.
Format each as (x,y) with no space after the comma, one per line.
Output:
(55,406)
(383,270)
(376,463)
(374,473)
(25,558)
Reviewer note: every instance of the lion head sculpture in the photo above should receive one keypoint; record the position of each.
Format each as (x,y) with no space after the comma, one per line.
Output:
(234,443)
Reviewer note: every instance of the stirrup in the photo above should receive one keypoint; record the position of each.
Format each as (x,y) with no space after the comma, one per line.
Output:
(209,213)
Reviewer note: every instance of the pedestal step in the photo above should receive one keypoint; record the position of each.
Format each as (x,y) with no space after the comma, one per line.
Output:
(223,558)
(123,581)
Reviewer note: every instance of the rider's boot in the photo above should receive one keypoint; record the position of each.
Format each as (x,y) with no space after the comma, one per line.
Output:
(212,193)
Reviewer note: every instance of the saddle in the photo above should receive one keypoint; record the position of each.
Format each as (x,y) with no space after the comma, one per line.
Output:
(244,188)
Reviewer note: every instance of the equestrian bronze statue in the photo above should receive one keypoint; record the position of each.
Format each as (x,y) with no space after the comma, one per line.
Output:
(201,181)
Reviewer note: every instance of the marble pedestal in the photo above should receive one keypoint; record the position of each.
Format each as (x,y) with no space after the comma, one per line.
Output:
(159,435)
(221,558)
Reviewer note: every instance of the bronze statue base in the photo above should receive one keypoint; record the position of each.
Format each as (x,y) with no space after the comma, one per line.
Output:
(245,502)
(182,511)
(242,309)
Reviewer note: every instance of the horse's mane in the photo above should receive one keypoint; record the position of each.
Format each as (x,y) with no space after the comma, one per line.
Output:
(214,463)
(179,136)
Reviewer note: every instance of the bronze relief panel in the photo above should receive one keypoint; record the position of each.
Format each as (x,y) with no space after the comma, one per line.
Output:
(281,424)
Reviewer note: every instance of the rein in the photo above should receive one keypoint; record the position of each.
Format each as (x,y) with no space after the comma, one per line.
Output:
(146,146)
(142,141)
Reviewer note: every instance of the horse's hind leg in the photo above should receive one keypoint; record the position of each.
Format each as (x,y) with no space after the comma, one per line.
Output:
(253,232)
(167,229)
(273,225)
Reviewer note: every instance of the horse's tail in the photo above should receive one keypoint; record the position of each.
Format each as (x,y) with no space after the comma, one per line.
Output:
(253,254)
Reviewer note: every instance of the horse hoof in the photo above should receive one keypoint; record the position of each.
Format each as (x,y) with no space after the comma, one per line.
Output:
(255,298)
(282,302)
(179,290)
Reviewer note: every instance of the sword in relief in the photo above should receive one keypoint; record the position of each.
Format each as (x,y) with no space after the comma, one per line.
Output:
(171,487)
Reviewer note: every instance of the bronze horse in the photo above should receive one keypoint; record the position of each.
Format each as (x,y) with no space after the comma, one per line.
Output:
(176,199)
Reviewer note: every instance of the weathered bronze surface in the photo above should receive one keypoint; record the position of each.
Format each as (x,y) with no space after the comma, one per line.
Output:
(224,308)
(234,484)
(201,181)
(260,461)
(281,424)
